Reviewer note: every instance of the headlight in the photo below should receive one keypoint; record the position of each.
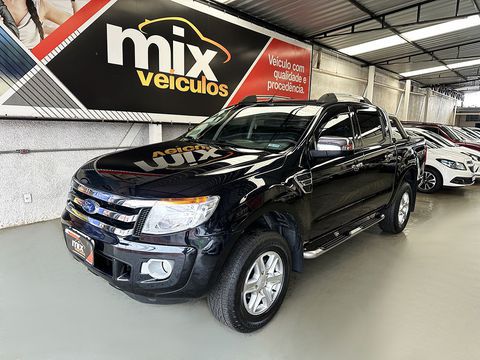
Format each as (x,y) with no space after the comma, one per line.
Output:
(452,164)
(172,215)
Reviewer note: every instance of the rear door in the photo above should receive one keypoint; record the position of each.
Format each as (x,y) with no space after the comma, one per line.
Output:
(335,196)
(377,170)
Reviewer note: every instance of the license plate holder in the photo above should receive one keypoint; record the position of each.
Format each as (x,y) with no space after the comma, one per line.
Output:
(80,245)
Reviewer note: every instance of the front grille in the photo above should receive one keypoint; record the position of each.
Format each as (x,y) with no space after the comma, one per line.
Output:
(115,214)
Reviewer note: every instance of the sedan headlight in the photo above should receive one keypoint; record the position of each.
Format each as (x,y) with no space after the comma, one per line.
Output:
(452,164)
(172,215)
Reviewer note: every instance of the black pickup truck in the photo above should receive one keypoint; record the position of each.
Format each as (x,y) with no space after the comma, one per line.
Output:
(229,209)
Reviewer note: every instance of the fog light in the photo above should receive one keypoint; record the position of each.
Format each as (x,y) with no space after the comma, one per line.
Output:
(157,269)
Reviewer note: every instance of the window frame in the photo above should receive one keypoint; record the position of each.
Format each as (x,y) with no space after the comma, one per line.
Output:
(385,131)
(326,116)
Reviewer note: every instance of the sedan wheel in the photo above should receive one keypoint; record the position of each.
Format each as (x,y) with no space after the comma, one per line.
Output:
(429,181)
(432,181)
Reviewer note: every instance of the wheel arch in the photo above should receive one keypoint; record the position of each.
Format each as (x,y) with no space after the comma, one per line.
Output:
(286,224)
(409,176)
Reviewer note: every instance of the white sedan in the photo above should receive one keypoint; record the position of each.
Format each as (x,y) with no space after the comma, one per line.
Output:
(448,145)
(445,167)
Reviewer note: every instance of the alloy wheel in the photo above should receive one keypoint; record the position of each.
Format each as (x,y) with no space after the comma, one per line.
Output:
(404,208)
(263,283)
(429,181)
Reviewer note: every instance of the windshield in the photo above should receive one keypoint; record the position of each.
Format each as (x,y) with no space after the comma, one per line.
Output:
(472,133)
(452,134)
(437,139)
(465,134)
(430,144)
(272,128)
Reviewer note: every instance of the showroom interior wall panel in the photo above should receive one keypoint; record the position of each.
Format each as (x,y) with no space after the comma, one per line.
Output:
(46,175)
(416,108)
(336,74)
(388,93)
(441,109)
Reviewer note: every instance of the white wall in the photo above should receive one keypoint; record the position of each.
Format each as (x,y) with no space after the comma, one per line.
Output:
(46,175)
(336,73)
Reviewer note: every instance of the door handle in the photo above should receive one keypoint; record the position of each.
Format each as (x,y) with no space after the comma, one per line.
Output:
(389,157)
(357,167)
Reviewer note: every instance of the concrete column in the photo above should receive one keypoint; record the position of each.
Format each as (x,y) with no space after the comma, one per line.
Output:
(454,120)
(425,110)
(155,133)
(370,83)
(406,99)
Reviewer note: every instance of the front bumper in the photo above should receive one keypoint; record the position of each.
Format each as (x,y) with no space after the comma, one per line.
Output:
(120,264)
(456,178)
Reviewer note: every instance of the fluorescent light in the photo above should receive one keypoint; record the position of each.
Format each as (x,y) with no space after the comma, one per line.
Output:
(430,31)
(444,28)
(464,64)
(373,45)
(441,68)
(424,71)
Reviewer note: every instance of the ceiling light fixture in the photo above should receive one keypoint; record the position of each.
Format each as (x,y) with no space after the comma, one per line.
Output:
(441,68)
(414,35)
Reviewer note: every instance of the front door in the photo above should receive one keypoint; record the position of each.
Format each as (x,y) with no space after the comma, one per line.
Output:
(335,196)
(377,171)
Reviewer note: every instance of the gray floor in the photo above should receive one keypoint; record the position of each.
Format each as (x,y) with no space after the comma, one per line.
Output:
(411,296)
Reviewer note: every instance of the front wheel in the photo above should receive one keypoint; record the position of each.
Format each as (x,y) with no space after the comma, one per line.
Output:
(432,181)
(253,282)
(398,213)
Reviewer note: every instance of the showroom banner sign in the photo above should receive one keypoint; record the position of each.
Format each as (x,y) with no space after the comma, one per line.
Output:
(148,60)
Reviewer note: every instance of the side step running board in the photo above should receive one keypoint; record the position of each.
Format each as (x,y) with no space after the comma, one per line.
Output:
(312,254)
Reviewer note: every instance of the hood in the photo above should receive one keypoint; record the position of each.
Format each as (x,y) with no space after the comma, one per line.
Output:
(174,169)
(465,150)
(445,153)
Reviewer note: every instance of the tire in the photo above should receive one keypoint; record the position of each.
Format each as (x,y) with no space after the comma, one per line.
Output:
(394,221)
(228,299)
(432,181)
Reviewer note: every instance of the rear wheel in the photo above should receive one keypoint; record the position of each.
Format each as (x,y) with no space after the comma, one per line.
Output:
(432,181)
(253,282)
(398,213)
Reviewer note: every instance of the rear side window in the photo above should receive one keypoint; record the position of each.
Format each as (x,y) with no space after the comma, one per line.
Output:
(371,128)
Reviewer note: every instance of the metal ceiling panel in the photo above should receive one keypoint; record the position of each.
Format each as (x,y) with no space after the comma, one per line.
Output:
(312,17)
(304,17)
(340,42)
(409,66)
(383,6)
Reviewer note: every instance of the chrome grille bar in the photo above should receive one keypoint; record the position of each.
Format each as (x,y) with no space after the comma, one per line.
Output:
(112,229)
(105,212)
(112,199)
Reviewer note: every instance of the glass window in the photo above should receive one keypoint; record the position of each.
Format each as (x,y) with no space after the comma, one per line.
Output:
(272,128)
(338,124)
(370,123)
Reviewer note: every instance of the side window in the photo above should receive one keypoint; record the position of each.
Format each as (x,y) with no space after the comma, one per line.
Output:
(372,132)
(337,124)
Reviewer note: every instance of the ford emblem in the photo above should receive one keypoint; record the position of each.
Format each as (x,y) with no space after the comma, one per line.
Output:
(90,206)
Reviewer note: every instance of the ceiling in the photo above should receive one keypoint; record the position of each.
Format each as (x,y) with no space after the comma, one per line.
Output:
(337,24)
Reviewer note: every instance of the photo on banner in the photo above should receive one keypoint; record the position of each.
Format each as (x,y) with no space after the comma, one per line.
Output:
(34,20)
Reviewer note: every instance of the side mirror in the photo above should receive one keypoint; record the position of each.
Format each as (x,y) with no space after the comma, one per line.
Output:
(332,146)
